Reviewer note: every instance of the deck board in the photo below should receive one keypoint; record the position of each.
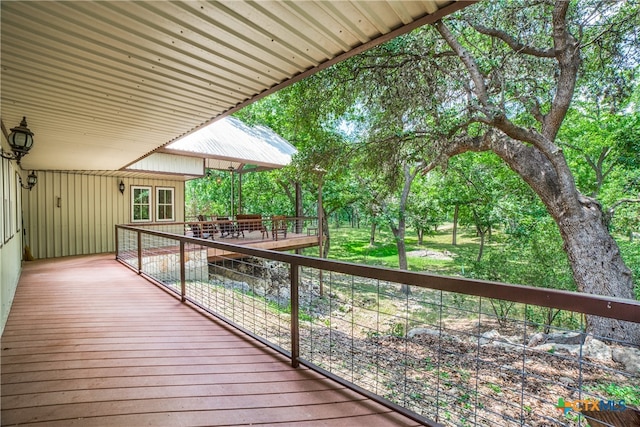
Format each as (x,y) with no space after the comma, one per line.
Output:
(90,343)
(253,240)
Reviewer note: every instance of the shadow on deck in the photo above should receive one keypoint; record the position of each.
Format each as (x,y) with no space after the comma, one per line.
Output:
(88,342)
(254,240)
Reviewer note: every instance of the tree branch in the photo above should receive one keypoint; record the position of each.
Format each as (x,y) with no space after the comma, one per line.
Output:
(612,210)
(467,60)
(457,146)
(528,161)
(567,52)
(513,43)
(542,143)
(535,108)
(287,189)
(496,117)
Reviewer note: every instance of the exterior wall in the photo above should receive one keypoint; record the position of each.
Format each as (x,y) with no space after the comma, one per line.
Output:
(74,214)
(10,268)
(10,233)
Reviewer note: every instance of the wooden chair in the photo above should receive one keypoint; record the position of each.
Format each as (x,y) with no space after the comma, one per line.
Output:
(208,229)
(278,226)
(196,230)
(226,226)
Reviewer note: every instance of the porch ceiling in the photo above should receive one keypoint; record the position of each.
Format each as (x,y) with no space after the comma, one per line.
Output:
(103,84)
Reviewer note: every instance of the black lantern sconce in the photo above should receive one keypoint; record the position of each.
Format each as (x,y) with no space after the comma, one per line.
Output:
(32,180)
(21,141)
(121,187)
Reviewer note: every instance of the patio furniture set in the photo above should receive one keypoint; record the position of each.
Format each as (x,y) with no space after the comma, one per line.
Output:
(234,228)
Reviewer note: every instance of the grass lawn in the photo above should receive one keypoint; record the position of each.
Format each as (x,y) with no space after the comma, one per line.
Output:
(352,244)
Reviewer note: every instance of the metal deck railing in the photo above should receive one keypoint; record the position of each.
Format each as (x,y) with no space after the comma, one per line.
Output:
(452,351)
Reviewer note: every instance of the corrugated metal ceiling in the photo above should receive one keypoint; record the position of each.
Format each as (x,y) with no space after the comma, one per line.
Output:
(102,83)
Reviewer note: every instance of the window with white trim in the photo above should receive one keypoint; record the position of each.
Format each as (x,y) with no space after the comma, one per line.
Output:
(164,204)
(140,203)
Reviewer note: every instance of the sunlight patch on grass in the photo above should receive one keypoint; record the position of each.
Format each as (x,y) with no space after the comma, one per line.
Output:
(352,245)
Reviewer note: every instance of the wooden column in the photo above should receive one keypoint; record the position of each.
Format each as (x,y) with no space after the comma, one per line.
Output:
(240,210)
(232,201)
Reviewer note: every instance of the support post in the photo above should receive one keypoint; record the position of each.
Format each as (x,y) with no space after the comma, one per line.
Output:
(183,283)
(116,241)
(139,252)
(231,208)
(320,233)
(294,275)
(240,209)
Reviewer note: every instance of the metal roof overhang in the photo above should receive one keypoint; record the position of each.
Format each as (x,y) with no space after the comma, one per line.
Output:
(229,143)
(105,83)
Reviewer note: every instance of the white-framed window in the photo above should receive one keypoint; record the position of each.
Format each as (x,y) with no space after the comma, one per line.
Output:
(164,204)
(140,203)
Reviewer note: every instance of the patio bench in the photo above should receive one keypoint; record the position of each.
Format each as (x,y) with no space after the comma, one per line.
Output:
(251,222)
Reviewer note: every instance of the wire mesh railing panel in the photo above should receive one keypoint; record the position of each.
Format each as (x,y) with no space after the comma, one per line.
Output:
(127,250)
(250,292)
(460,359)
(161,260)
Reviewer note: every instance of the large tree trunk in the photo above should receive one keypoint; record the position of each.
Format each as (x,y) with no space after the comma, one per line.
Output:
(454,237)
(589,247)
(327,237)
(402,248)
(398,234)
(482,232)
(402,255)
(400,231)
(481,249)
(372,235)
(593,254)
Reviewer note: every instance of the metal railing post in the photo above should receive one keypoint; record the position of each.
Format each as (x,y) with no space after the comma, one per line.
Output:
(183,285)
(139,252)
(116,242)
(295,311)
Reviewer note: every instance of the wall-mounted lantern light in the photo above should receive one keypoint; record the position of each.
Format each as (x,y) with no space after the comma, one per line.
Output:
(121,187)
(20,140)
(32,180)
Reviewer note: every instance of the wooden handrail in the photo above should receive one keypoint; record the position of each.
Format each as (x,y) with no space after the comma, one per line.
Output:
(598,305)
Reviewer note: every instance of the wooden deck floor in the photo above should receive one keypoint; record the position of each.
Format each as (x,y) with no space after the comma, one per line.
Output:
(90,343)
(255,240)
